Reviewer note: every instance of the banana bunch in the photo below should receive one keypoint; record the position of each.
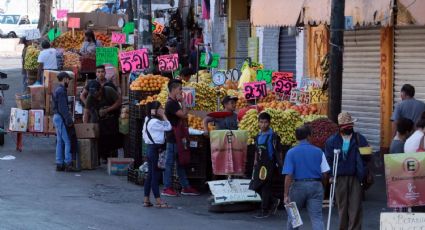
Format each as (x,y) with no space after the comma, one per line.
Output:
(163,95)
(204,76)
(311,117)
(249,123)
(284,124)
(31,58)
(206,96)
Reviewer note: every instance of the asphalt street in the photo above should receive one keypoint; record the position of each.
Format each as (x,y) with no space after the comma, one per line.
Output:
(34,196)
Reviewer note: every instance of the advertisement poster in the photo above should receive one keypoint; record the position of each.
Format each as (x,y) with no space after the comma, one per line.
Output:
(405,179)
(398,220)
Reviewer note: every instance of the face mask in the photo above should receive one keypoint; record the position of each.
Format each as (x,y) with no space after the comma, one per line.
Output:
(347,132)
(66,85)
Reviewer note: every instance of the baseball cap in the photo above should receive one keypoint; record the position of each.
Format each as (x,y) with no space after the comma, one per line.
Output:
(63,75)
(228,98)
(93,86)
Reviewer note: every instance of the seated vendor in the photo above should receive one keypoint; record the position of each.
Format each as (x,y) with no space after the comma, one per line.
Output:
(101,78)
(103,107)
(230,122)
(90,43)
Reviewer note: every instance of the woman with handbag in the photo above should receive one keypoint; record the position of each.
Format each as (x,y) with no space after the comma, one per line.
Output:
(415,143)
(156,124)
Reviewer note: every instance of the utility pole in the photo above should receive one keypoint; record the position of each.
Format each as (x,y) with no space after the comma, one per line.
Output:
(337,48)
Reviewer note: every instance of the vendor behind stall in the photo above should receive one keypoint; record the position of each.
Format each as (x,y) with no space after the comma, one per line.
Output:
(90,43)
(103,81)
(103,107)
(230,122)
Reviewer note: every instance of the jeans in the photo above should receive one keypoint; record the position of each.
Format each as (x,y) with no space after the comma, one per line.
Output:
(63,143)
(152,180)
(309,194)
(169,166)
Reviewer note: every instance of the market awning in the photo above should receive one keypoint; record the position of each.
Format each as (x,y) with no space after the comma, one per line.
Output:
(275,12)
(411,12)
(364,12)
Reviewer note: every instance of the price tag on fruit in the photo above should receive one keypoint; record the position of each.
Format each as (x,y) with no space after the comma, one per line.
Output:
(168,63)
(255,90)
(304,98)
(189,96)
(282,75)
(32,34)
(295,94)
(74,23)
(118,38)
(264,75)
(318,96)
(284,86)
(134,60)
(61,13)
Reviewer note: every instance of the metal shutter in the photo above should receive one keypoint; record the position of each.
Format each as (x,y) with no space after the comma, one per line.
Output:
(361,82)
(409,60)
(242,34)
(287,51)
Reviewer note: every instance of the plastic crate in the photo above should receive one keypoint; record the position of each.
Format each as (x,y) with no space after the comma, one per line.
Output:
(137,111)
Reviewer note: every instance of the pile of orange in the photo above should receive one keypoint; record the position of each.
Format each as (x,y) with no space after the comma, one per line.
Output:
(148,99)
(195,122)
(149,83)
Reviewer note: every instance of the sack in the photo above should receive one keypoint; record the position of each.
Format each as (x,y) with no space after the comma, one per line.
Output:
(421,145)
(162,156)
(181,132)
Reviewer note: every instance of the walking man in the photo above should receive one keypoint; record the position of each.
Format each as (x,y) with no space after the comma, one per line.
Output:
(305,169)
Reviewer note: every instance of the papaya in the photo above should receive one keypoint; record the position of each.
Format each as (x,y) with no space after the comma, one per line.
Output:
(263,173)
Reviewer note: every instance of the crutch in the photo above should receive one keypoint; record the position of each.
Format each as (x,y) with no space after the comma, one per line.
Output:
(332,195)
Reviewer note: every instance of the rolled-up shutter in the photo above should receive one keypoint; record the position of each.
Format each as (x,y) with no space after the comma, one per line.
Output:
(287,51)
(361,82)
(409,60)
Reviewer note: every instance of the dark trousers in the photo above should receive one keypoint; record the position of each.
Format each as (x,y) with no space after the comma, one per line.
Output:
(348,196)
(266,195)
(152,180)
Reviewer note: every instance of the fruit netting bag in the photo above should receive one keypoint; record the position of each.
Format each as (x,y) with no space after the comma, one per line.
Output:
(228,151)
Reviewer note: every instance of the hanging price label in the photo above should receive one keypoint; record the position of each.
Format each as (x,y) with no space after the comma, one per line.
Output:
(74,23)
(32,34)
(118,38)
(264,75)
(168,63)
(284,86)
(318,96)
(134,60)
(282,75)
(189,96)
(255,90)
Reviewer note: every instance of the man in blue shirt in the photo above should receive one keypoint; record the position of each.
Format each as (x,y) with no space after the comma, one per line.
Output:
(305,169)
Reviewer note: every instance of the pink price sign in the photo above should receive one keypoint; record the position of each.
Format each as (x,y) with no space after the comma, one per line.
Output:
(284,86)
(118,38)
(168,63)
(61,13)
(134,60)
(255,90)
(282,75)
(74,23)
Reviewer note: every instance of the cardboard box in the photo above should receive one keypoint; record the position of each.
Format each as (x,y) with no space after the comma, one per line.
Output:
(51,82)
(49,104)
(46,123)
(87,130)
(119,166)
(36,121)
(37,97)
(51,125)
(87,149)
(18,120)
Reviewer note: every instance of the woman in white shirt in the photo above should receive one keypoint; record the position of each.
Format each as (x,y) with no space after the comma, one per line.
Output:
(415,143)
(90,43)
(154,128)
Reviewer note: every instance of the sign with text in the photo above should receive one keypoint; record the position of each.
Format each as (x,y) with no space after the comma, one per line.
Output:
(61,13)
(255,90)
(189,96)
(118,38)
(282,75)
(168,63)
(74,23)
(32,34)
(236,190)
(405,179)
(399,220)
(318,96)
(303,97)
(214,63)
(295,94)
(107,55)
(134,60)
(284,86)
(264,75)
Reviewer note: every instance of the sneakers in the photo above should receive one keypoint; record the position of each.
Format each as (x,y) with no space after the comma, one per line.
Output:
(262,214)
(168,192)
(189,191)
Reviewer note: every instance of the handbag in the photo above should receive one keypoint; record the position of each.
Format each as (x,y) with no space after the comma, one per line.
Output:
(181,132)
(161,150)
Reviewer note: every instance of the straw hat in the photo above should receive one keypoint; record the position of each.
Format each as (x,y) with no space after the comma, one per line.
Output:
(345,118)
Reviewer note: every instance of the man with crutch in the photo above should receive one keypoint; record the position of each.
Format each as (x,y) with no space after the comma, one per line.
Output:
(342,150)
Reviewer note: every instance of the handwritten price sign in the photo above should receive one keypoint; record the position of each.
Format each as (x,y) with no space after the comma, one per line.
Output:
(264,75)
(284,86)
(118,38)
(295,94)
(168,63)
(74,23)
(282,75)
(134,60)
(189,96)
(61,13)
(107,55)
(32,34)
(304,98)
(318,96)
(255,90)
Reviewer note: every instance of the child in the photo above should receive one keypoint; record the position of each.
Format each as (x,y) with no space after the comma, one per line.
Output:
(267,161)
(230,122)
(156,124)
(404,129)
